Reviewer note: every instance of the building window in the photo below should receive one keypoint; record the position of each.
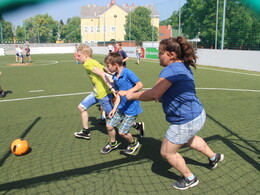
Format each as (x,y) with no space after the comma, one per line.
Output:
(113,29)
(98,29)
(104,28)
(85,29)
(92,29)
(161,34)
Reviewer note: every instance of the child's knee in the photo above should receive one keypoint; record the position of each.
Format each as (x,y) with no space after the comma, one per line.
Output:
(80,108)
(109,128)
(122,134)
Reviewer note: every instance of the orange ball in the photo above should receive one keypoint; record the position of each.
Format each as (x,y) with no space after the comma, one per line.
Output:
(19,147)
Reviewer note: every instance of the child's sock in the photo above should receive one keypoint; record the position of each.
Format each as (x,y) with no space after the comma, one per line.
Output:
(86,131)
(191,177)
(213,158)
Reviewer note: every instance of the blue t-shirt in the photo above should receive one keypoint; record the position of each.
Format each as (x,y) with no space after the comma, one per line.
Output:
(126,81)
(124,55)
(180,102)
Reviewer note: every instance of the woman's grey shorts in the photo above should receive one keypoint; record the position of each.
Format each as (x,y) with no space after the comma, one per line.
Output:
(181,134)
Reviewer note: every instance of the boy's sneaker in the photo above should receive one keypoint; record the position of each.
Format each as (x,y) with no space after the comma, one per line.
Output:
(183,183)
(2,93)
(83,135)
(214,164)
(140,128)
(131,148)
(109,147)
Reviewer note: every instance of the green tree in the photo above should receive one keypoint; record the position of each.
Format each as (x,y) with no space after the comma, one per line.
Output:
(7,32)
(198,18)
(242,30)
(40,28)
(71,31)
(138,26)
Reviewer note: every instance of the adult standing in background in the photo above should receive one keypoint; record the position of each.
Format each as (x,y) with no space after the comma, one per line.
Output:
(138,53)
(110,47)
(76,54)
(118,46)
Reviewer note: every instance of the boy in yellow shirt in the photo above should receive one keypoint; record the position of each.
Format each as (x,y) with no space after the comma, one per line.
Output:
(101,93)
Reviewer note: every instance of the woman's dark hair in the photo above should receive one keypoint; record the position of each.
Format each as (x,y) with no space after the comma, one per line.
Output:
(182,48)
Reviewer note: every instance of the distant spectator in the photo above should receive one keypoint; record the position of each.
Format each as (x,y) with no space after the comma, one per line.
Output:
(110,47)
(138,54)
(122,52)
(28,54)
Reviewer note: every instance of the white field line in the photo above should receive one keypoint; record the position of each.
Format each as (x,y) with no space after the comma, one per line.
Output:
(200,67)
(71,94)
(229,71)
(46,96)
(35,91)
(225,89)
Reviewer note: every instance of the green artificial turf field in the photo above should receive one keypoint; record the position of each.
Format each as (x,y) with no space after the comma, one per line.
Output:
(41,106)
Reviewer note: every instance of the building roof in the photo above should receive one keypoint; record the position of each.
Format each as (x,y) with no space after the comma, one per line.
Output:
(93,10)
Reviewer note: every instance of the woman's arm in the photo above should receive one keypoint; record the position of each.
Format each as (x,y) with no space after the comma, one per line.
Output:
(155,93)
(138,86)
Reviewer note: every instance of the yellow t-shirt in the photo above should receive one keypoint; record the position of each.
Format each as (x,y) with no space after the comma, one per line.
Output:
(100,88)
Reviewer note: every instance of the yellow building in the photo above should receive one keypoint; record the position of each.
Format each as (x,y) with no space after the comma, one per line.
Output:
(106,23)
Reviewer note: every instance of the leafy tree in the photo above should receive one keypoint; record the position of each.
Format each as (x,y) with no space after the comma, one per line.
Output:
(40,28)
(71,31)
(198,18)
(242,30)
(138,26)
(7,32)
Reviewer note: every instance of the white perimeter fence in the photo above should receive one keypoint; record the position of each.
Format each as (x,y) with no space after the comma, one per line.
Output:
(235,59)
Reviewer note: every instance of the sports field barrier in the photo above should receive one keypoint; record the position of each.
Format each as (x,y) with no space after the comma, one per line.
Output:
(235,59)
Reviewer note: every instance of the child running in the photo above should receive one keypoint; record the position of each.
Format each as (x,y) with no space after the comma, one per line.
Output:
(124,81)
(175,88)
(101,93)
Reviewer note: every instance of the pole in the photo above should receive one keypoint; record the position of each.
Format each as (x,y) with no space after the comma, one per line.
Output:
(223,25)
(216,37)
(115,16)
(1,33)
(152,30)
(38,34)
(130,27)
(24,32)
(179,18)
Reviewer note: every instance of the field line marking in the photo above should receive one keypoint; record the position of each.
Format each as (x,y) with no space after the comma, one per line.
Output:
(46,96)
(214,69)
(229,71)
(35,91)
(71,94)
(226,89)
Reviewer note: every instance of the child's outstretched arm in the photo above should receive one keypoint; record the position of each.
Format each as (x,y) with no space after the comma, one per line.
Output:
(116,103)
(102,74)
(138,86)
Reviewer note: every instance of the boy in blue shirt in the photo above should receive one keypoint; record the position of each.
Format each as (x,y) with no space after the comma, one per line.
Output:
(124,81)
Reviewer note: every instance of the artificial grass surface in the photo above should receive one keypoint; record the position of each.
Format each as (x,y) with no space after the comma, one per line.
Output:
(61,164)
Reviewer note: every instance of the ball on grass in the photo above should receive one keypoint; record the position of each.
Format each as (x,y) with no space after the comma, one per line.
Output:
(19,147)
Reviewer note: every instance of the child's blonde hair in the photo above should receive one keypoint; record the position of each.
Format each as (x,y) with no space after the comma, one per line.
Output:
(85,49)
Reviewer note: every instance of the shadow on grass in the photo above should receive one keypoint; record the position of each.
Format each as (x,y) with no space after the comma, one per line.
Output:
(7,92)
(22,136)
(235,148)
(149,150)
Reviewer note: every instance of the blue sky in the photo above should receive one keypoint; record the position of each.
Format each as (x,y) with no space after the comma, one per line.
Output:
(64,9)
